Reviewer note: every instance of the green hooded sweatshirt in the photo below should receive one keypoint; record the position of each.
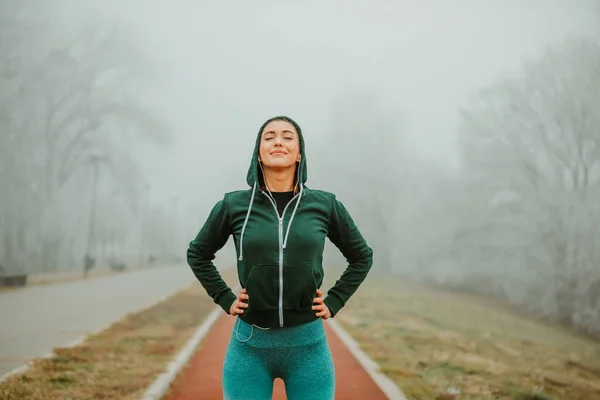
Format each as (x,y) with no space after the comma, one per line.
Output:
(279,259)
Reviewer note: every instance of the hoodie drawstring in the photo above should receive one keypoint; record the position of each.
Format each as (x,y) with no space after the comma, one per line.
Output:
(287,233)
(292,217)
(246,222)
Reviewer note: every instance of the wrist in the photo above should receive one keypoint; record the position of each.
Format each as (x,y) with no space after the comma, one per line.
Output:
(333,305)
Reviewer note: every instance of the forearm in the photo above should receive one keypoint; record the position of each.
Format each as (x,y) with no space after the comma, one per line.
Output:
(209,277)
(201,253)
(344,233)
(354,275)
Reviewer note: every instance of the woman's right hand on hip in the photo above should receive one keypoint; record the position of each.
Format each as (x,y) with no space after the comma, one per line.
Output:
(238,305)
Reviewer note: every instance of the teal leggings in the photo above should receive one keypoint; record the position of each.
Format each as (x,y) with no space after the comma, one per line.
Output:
(299,355)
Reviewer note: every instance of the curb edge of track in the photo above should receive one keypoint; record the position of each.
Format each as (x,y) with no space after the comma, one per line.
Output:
(387,386)
(161,385)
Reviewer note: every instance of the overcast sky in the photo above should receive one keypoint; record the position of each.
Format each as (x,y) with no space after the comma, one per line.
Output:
(227,66)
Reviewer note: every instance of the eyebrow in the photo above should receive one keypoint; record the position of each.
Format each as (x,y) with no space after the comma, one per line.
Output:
(284,131)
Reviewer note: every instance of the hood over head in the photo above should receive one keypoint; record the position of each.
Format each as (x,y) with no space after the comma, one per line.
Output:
(254,171)
(254,178)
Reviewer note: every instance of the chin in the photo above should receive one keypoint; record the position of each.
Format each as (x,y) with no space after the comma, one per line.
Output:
(281,164)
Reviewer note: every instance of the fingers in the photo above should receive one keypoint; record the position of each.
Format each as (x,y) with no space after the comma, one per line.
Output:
(239,304)
(324,313)
(319,305)
(235,310)
(323,310)
(238,307)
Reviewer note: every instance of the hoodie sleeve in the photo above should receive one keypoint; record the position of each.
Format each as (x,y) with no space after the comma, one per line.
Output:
(201,253)
(344,234)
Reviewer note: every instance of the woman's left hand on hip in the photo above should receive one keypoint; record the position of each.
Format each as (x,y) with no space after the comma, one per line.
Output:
(319,305)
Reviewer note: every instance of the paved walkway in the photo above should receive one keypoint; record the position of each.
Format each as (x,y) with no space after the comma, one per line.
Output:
(201,378)
(34,320)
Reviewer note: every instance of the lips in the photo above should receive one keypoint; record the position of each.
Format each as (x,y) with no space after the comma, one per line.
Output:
(278,153)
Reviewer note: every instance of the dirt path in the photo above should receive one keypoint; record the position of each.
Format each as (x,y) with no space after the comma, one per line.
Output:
(201,378)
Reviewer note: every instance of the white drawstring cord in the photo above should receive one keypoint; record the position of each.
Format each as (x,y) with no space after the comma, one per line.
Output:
(287,233)
(246,221)
(251,331)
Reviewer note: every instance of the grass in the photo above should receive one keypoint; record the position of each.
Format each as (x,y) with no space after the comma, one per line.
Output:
(120,362)
(434,344)
(441,345)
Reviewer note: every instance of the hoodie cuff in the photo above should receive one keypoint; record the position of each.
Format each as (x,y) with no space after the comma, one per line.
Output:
(227,300)
(333,304)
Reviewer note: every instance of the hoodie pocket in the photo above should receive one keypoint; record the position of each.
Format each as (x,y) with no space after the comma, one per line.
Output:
(299,286)
(262,287)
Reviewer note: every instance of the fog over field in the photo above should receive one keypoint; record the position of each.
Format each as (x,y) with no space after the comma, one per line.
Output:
(463,136)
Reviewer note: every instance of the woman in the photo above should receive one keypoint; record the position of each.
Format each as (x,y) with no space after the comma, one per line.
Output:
(279,227)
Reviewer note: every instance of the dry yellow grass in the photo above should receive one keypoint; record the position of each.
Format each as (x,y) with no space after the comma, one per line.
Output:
(120,362)
(434,343)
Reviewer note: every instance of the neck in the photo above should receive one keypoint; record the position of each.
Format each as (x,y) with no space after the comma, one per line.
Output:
(280,180)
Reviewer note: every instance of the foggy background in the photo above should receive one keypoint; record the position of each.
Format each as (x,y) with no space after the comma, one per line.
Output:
(463,136)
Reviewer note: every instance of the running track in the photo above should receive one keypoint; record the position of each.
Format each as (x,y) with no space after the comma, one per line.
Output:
(201,377)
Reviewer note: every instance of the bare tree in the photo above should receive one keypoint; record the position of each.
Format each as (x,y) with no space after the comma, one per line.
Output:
(19,190)
(69,103)
(533,146)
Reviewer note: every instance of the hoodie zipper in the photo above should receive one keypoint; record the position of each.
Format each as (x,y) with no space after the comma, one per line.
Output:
(280,253)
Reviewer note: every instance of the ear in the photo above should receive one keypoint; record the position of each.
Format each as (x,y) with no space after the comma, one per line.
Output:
(299,157)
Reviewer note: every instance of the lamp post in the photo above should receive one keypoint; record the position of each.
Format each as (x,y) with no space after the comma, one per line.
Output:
(143,211)
(90,261)
(174,228)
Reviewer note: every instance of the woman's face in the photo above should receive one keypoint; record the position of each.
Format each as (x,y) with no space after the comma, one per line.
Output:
(279,145)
